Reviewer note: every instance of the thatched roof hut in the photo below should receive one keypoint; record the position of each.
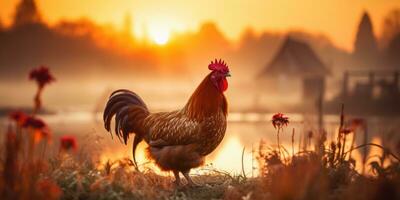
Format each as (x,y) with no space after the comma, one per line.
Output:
(296,69)
(295,58)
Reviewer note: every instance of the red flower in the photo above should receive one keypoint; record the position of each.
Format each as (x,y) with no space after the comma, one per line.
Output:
(18,116)
(40,128)
(346,130)
(67,143)
(34,122)
(279,120)
(41,75)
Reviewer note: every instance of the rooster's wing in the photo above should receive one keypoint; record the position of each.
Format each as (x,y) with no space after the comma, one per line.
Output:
(172,128)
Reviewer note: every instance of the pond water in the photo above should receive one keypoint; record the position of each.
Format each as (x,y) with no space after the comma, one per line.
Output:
(245,130)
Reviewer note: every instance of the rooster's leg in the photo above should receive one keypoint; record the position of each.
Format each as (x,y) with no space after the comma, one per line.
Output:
(190,181)
(177,181)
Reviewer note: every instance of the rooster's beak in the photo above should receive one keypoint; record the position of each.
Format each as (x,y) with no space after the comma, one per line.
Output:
(228,74)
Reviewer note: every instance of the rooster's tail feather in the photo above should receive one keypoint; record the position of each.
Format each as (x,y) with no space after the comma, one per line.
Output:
(129,110)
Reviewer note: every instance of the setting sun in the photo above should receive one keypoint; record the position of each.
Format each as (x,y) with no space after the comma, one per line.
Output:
(159,31)
(159,37)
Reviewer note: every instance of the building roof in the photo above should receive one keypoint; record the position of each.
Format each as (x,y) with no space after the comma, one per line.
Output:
(295,58)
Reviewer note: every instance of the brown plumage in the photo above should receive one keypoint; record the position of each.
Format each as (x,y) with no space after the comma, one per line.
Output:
(177,140)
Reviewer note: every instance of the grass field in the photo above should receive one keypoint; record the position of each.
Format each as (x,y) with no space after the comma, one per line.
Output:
(33,168)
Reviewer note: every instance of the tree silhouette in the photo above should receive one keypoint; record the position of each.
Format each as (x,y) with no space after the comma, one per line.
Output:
(391,27)
(26,13)
(365,46)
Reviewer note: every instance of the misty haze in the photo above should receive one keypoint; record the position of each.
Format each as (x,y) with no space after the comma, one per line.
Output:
(293,91)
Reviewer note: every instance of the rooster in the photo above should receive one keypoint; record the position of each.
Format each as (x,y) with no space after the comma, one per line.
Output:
(179,140)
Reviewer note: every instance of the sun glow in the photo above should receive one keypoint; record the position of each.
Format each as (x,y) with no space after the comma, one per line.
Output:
(160,38)
(229,157)
(159,35)
(113,155)
(159,29)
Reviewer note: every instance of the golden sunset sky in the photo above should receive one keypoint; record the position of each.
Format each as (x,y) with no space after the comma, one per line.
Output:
(337,19)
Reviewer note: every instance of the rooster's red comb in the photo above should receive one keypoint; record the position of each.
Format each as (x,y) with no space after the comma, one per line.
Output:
(218,65)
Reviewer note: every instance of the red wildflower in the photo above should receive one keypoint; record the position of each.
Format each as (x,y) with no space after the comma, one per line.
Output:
(18,116)
(40,128)
(34,122)
(67,143)
(279,120)
(41,75)
(346,130)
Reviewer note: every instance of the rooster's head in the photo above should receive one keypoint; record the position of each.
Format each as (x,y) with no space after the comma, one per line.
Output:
(219,73)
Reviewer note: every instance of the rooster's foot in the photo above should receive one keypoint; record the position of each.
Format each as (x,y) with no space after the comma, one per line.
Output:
(177,183)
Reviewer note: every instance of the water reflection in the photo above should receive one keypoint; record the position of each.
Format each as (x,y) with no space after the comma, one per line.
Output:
(245,130)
